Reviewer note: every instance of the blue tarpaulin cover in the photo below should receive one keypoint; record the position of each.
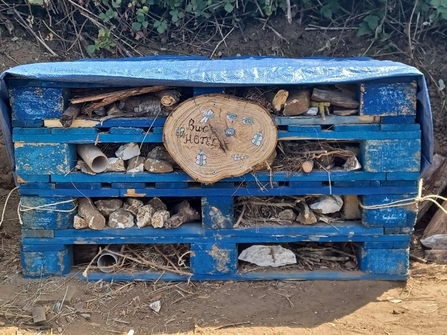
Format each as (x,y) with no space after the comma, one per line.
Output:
(205,72)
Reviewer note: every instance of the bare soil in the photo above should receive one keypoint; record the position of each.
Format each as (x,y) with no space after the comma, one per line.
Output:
(417,306)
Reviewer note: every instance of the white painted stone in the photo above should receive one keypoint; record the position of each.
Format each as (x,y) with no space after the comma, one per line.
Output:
(312,111)
(159,218)
(116,165)
(144,216)
(121,219)
(327,204)
(79,223)
(268,255)
(155,306)
(128,151)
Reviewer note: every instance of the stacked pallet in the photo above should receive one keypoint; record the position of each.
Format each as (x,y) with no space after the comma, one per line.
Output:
(383,130)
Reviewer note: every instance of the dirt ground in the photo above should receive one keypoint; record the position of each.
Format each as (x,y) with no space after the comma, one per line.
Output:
(418,306)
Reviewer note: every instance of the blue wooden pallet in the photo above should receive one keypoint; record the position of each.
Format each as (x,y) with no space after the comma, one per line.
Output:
(220,190)
(394,149)
(34,101)
(43,216)
(215,252)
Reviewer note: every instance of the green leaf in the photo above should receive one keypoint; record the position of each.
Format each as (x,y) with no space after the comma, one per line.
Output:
(136,26)
(145,24)
(435,3)
(229,7)
(91,49)
(103,17)
(372,21)
(363,29)
(327,13)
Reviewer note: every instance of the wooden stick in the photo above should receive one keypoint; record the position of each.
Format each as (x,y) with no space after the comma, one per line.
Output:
(169,98)
(69,115)
(308,166)
(122,94)
(239,220)
(164,256)
(143,261)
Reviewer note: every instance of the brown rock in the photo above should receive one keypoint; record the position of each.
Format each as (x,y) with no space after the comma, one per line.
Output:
(309,219)
(136,164)
(116,165)
(79,223)
(158,166)
(159,219)
(297,103)
(287,215)
(121,219)
(160,152)
(351,208)
(133,205)
(144,216)
(89,213)
(106,207)
(157,204)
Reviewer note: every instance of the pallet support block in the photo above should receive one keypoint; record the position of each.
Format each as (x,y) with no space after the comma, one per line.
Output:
(400,155)
(47,213)
(44,158)
(392,217)
(218,212)
(48,260)
(214,258)
(37,103)
(387,98)
(384,261)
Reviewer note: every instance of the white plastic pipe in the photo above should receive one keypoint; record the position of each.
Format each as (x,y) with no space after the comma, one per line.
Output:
(93,157)
(106,261)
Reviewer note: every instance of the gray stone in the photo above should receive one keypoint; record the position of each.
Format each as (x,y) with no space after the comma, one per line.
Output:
(309,219)
(144,216)
(327,204)
(268,255)
(287,215)
(157,166)
(136,164)
(160,152)
(83,167)
(108,206)
(159,218)
(157,204)
(121,219)
(133,205)
(116,165)
(128,151)
(352,164)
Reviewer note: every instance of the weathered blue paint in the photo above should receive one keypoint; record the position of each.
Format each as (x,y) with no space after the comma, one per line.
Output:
(400,127)
(387,98)
(214,258)
(399,119)
(271,275)
(391,155)
(54,260)
(356,127)
(394,217)
(389,261)
(45,215)
(36,103)
(126,131)
(27,123)
(196,233)
(34,158)
(193,191)
(304,129)
(218,212)
(400,244)
(37,180)
(403,176)
(93,135)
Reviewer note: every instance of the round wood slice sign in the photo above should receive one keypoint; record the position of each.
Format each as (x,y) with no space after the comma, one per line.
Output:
(216,136)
